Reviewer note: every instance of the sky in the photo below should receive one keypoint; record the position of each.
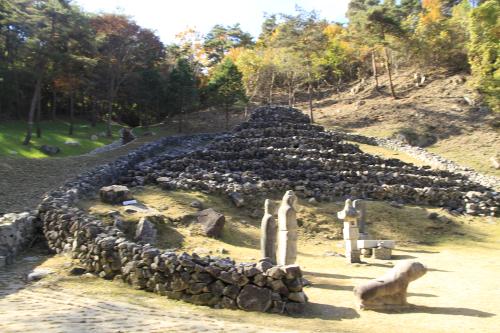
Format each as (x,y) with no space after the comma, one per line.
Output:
(167,18)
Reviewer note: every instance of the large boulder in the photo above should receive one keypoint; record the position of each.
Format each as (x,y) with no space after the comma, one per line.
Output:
(212,222)
(146,231)
(253,298)
(115,194)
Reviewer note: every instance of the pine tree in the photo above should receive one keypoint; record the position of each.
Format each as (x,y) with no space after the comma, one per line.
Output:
(226,87)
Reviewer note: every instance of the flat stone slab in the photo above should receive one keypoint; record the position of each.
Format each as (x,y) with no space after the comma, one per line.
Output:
(374,243)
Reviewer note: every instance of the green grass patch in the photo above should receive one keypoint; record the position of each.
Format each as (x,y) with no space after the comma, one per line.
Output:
(54,133)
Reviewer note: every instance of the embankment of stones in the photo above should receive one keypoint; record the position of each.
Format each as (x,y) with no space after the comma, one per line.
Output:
(278,150)
(17,232)
(427,157)
(105,251)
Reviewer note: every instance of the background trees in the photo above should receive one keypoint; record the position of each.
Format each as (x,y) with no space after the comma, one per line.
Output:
(57,61)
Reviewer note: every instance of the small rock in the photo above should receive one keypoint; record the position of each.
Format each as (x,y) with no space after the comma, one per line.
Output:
(312,201)
(39,274)
(396,204)
(237,199)
(196,204)
(50,150)
(77,271)
(432,216)
(94,137)
(222,250)
(495,162)
(72,143)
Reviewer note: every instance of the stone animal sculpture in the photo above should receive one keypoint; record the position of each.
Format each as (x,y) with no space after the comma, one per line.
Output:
(268,232)
(349,213)
(389,290)
(287,229)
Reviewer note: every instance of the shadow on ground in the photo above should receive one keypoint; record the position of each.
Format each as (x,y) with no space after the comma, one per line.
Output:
(440,310)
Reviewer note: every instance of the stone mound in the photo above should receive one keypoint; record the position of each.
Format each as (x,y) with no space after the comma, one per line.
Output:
(278,149)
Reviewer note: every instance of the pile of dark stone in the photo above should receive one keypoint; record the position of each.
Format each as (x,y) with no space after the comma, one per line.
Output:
(277,149)
(105,251)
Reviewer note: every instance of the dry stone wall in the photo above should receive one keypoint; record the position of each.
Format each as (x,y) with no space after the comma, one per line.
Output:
(17,231)
(278,150)
(104,250)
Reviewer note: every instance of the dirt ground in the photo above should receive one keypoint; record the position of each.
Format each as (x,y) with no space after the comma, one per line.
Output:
(458,294)
(468,134)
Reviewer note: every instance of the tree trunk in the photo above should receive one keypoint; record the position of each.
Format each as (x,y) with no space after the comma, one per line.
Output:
(109,133)
(31,114)
(273,76)
(38,115)
(93,121)
(374,67)
(388,67)
(71,112)
(54,104)
(290,91)
(309,97)
(246,112)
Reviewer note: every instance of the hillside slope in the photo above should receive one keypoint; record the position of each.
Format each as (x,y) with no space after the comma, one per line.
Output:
(444,107)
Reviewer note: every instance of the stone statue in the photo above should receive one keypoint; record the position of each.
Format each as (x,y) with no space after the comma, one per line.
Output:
(350,217)
(360,207)
(389,291)
(268,232)
(348,214)
(287,230)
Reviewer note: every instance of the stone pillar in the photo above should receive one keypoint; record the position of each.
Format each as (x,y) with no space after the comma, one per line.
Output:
(360,207)
(268,232)
(287,230)
(351,232)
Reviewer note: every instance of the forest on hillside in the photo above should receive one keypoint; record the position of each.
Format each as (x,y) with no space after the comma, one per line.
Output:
(58,61)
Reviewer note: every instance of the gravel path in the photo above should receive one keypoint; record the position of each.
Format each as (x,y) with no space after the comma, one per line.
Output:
(66,307)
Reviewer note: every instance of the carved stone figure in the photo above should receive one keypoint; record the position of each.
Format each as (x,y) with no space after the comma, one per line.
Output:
(360,207)
(287,229)
(390,290)
(268,232)
(350,216)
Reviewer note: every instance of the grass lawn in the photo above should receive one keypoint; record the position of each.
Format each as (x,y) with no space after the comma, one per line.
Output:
(54,133)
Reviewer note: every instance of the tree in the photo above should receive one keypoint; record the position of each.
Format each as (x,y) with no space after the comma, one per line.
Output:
(182,89)
(382,22)
(302,34)
(484,51)
(221,39)
(225,87)
(123,49)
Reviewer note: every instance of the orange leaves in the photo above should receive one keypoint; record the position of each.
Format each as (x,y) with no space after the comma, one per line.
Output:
(66,83)
(432,11)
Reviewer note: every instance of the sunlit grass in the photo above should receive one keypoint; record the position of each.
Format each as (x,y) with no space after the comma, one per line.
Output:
(54,133)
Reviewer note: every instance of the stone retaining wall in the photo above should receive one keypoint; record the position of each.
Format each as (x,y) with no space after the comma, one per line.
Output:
(277,149)
(104,250)
(17,231)
(427,157)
